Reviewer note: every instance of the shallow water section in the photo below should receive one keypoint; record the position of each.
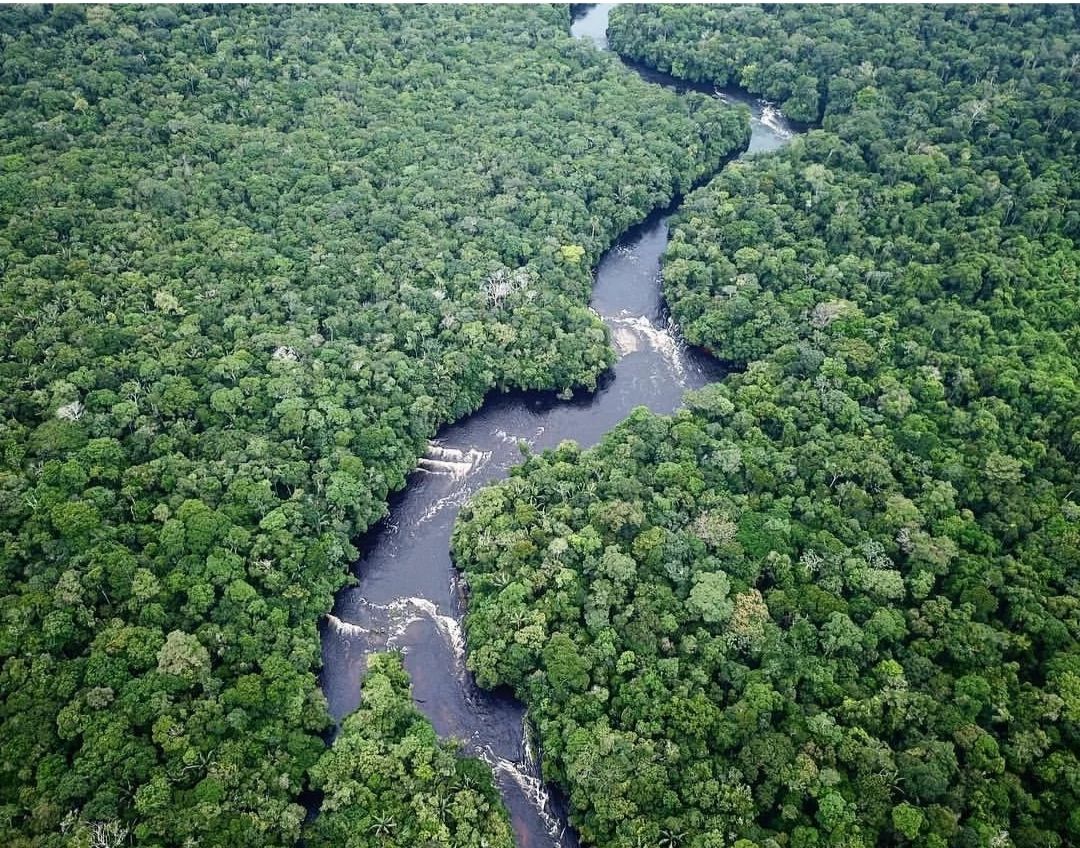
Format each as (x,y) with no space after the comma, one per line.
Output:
(407,597)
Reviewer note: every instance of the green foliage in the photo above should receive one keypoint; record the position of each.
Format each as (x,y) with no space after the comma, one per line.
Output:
(388,781)
(814,668)
(907,820)
(853,615)
(965,134)
(818,60)
(252,257)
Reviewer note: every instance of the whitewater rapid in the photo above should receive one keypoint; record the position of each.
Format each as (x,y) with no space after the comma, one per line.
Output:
(408,597)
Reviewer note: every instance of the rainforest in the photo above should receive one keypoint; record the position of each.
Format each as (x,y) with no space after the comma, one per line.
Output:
(486,425)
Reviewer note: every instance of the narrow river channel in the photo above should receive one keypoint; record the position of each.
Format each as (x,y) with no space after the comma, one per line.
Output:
(407,596)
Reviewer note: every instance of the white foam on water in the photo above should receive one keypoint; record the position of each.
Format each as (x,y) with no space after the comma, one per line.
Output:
(402,613)
(508,438)
(395,619)
(399,629)
(453,462)
(534,790)
(346,628)
(447,625)
(631,333)
(457,464)
(457,498)
(773,118)
(526,776)
(532,787)
(625,340)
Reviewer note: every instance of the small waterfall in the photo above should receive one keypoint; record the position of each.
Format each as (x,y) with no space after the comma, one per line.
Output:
(448,626)
(534,789)
(346,628)
(773,118)
(401,569)
(394,619)
(453,462)
(630,333)
(525,774)
(528,752)
(437,451)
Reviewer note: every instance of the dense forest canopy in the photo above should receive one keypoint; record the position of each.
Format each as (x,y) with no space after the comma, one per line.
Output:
(813,60)
(252,257)
(836,601)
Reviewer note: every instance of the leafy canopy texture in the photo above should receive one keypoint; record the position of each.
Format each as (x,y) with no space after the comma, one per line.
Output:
(835,601)
(252,257)
(388,781)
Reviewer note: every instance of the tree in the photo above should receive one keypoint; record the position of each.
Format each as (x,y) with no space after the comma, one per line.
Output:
(183,656)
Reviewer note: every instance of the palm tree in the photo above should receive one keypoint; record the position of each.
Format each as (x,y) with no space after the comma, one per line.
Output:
(671,839)
(383,825)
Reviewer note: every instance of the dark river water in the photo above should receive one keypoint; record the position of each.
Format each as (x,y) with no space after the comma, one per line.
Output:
(407,597)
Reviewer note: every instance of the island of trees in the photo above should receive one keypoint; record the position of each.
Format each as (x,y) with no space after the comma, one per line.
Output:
(836,600)
(388,782)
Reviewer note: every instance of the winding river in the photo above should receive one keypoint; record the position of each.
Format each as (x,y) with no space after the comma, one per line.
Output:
(407,597)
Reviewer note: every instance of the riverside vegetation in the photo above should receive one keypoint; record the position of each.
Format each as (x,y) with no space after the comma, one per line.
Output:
(836,600)
(252,257)
(390,783)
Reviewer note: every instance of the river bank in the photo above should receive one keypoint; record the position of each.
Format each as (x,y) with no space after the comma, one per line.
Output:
(407,597)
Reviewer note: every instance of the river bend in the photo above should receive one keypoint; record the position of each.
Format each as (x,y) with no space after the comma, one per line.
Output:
(407,596)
